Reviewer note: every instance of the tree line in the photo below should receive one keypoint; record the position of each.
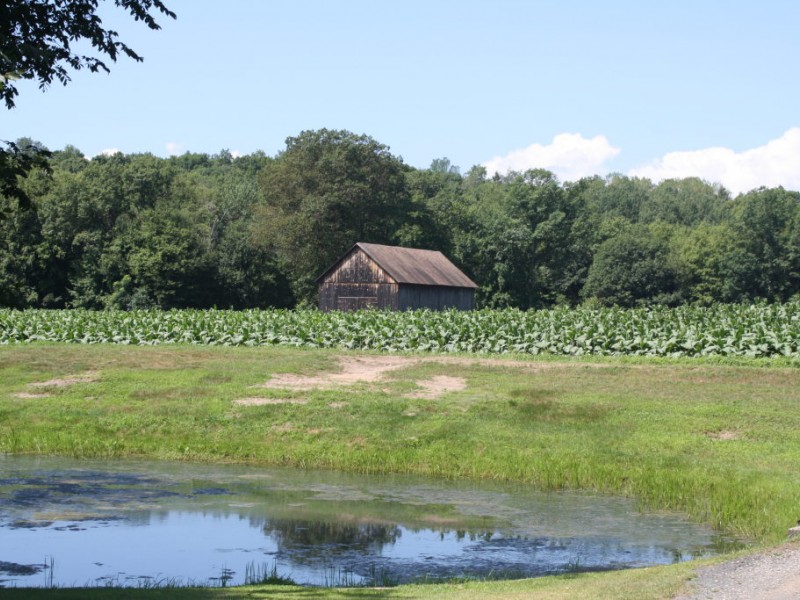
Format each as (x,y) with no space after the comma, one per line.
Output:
(198,230)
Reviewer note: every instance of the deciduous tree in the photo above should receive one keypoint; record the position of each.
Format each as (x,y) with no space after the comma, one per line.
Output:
(37,39)
(324,192)
(630,269)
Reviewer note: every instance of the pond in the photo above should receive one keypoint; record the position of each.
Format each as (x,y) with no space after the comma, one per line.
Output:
(65,522)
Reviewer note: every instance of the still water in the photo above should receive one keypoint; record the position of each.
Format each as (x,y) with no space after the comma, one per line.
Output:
(73,523)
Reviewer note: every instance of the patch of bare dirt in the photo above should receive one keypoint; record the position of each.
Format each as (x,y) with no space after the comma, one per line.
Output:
(318,430)
(437,386)
(85,377)
(29,396)
(337,404)
(268,401)
(355,369)
(371,369)
(722,435)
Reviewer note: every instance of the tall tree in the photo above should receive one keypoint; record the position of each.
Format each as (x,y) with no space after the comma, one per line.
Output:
(617,195)
(36,43)
(36,38)
(324,192)
(688,201)
(631,269)
(436,199)
(763,221)
(706,255)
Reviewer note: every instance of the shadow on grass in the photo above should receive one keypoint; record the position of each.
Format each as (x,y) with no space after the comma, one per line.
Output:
(177,593)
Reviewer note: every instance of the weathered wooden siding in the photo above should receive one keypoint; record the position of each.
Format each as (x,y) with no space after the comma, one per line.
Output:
(357,267)
(357,282)
(354,296)
(435,297)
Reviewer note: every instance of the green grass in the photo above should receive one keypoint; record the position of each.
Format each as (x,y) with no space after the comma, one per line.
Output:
(719,441)
(637,584)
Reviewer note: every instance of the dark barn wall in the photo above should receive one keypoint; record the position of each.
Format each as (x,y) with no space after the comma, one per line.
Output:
(435,297)
(352,296)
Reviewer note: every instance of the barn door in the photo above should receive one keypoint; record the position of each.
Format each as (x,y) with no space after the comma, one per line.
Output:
(356,302)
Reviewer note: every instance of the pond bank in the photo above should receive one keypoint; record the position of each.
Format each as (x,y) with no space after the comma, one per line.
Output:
(132,523)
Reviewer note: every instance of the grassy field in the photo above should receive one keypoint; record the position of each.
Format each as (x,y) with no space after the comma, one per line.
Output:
(719,440)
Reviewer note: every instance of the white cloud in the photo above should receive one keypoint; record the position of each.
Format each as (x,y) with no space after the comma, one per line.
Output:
(570,156)
(174,148)
(109,152)
(777,163)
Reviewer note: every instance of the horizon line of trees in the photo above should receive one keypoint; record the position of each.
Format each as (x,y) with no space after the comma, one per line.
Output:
(199,230)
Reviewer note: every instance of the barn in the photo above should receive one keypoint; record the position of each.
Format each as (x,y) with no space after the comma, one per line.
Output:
(395,278)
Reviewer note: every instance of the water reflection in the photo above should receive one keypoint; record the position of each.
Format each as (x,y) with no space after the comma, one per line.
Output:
(121,522)
(321,544)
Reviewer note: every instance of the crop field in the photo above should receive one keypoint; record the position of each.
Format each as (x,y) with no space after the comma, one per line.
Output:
(759,330)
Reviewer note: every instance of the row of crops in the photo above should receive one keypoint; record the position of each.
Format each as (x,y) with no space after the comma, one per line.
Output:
(723,330)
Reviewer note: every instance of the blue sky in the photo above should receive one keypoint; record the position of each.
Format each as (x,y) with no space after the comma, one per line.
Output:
(658,89)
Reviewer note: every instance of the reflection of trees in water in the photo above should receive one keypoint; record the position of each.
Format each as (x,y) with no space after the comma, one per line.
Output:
(472,536)
(309,541)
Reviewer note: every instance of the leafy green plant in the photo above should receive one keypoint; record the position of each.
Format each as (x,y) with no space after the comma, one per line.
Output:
(758,330)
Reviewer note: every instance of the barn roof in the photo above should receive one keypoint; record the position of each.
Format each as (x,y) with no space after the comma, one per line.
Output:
(413,266)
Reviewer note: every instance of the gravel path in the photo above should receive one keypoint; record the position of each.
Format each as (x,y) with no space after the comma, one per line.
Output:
(770,575)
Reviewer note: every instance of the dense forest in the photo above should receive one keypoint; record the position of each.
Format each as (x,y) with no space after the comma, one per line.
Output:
(198,230)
